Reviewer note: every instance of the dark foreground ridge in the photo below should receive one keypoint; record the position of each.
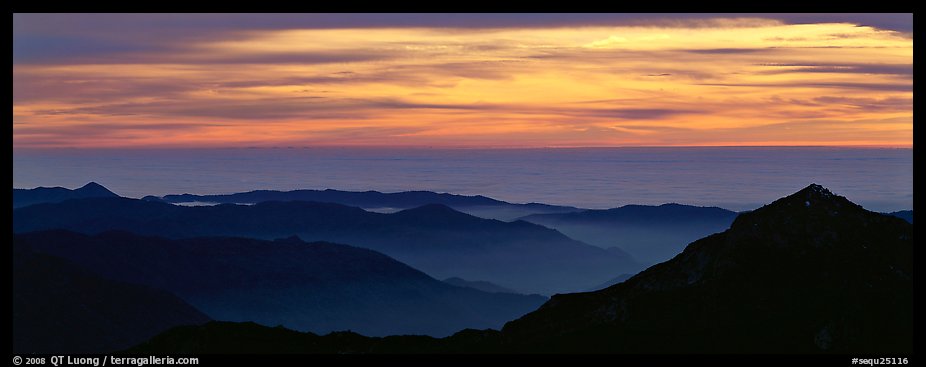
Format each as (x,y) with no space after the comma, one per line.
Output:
(61,307)
(808,273)
(250,338)
(811,272)
(321,287)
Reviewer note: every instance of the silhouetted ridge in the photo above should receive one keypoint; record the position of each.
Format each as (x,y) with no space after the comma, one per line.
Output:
(811,195)
(95,189)
(430,209)
(810,207)
(618,279)
(436,214)
(811,272)
(478,205)
(38,195)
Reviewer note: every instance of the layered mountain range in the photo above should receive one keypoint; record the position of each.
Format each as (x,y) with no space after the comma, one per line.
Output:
(434,238)
(808,273)
(477,205)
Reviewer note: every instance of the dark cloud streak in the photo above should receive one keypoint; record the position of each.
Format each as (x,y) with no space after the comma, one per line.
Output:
(887,69)
(45,38)
(886,87)
(120,22)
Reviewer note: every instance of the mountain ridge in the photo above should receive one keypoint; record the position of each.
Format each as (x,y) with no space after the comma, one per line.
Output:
(477,205)
(435,239)
(38,195)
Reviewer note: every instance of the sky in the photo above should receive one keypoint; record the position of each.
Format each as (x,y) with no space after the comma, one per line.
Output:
(461,80)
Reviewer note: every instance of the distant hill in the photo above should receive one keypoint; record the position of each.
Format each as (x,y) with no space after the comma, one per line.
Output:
(60,307)
(26,197)
(478,205)
(906,215)
(433,238)
(808,273)
(650,234)
(478,284)
(318,287)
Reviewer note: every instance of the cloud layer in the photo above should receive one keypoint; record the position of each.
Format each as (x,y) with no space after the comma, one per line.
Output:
(464,80)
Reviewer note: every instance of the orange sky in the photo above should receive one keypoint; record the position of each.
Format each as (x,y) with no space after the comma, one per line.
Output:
(719,81)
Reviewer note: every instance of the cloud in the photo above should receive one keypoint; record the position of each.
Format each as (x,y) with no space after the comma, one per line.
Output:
(883,87)
(887,69)
(728,51)
(865,130)
(95,129)
(487,69)
(867,104)
(89,88)
(358,135)
(29,48)
(820,132)
(611,40)
(634,113)
(396,103)
(899,22)
(333,79)
(103,134)
(302,108)
(48,38)
(119,22)
(650,130)
(268,81)
(315,108)
(302,58)
(225,109)
(79,52)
